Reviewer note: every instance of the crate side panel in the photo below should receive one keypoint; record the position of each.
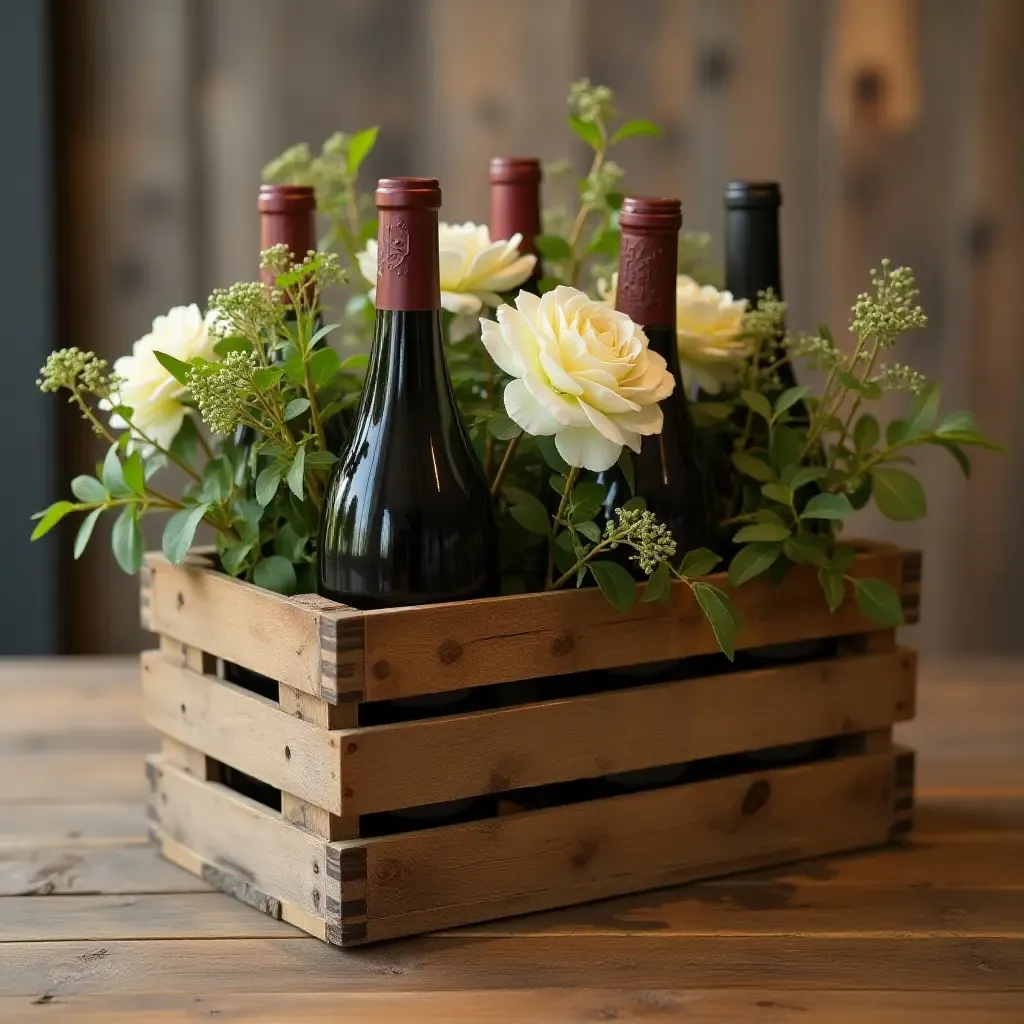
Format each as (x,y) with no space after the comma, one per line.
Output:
(642,727)
(442,647)
(243,730)
(254,628)
(241,838)
(535,860)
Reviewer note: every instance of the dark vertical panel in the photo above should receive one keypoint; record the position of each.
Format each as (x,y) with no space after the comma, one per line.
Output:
(28,586)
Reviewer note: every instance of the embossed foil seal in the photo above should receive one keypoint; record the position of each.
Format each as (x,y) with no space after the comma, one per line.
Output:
(287,215)
(407,268)
(648,260)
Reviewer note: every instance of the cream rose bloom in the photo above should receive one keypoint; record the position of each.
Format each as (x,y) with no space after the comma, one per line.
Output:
(147,388)
(584,373)
(474,270)
(708,325)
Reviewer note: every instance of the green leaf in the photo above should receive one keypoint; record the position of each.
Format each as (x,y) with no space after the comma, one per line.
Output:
(758,403)
(548,451)
(789,398)
(175,367)
(218,478)
(275,573)
(776,492)
(266,377)
(126,540)
(251,513)
(529,512)
(866,434)
(724,619)
(180,531)
(786,445)
(296,407)
(88,488)
(324,364)
(233,557)
(359,147)
(633,128)
(898,494)
(553,247)
(320,460)
(503,428)
(895,431)
(955,423)
(186,441)
(752,560)
(843,557)
(614,200)
(625,464)
(615,582)
(862,494)
(923,410)
(225,346)
(586,130)
(289,543)
(659,586)
(590,530)
(635,504)
(806,475)
(960,455)
(698,562)
(85,532)
(879,602)
(761,531)
(267,483)
(134,473)
(806,548)
(297,473)
(49,518)
(753,467)
(827,506)
(113,475)
(833,587)
(607,243)
(707,414)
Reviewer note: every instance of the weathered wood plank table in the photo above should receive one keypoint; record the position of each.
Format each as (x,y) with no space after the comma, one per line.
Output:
(94,927)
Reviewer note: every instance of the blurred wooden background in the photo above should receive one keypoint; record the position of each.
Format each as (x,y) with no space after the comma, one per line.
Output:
(894,127)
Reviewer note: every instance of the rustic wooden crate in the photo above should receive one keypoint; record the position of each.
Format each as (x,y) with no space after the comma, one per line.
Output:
(315,862)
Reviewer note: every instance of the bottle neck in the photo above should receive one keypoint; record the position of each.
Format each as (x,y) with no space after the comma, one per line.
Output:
(663,341)
(515,210)
(753,261)
(407,355)
(408,276)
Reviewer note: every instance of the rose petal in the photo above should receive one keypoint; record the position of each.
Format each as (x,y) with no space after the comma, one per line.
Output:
(527,412)
(586,448)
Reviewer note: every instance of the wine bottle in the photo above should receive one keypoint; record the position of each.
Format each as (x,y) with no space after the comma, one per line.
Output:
(515,206)
(668,471)
(407,517)
(753,264)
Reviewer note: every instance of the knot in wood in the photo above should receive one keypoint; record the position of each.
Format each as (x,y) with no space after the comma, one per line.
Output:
(381,669)
(757,796)
(449,652)
(389,871)
(562,644)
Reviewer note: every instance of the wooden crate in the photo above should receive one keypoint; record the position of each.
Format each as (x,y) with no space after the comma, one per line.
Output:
(313,853)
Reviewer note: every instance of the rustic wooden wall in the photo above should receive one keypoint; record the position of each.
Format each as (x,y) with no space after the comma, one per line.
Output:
(894,127)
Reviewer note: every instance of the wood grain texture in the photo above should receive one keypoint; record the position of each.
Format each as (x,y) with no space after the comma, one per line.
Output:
(242,729)
(240,839)
(543,1006)
(428,964)
(449,646)
(538,859)
(640,727)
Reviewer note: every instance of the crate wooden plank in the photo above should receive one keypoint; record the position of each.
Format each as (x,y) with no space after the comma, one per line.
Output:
(280,637)
(641,727)
(242,729)
(440,647)
(240,841)
(437,878)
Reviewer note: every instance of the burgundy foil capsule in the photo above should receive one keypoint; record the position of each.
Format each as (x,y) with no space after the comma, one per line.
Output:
(648,260)
(515,200)
(288,216)
(407,261)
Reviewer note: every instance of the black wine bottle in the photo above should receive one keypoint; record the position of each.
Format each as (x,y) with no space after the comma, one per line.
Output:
(407,517)
(669,471)
(753,264)
(515,207)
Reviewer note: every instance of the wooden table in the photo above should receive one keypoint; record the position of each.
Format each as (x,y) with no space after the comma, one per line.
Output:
(95,927)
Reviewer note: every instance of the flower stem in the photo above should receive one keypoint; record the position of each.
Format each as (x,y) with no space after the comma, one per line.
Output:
(506,461)
(570,480)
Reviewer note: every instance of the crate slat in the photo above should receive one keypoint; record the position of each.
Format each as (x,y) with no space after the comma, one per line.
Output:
(639,727)
(243,730)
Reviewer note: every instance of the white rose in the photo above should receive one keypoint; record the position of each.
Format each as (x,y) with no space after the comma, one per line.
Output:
(474,270)
(708,323)
(149,389)
(583,372)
